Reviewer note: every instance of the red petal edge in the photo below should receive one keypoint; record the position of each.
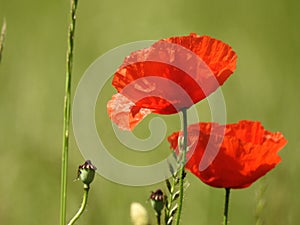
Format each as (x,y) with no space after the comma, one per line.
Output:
(123,112)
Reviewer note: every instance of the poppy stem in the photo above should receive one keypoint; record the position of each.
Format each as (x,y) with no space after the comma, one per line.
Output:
(227,195)
(182,164)
(158,220)
(260,203)
(86,189)
(67,109)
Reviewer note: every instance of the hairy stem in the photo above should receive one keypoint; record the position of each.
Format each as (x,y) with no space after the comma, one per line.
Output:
(67,109)
(170,200)
(182,164)
(260,203)
(82,206)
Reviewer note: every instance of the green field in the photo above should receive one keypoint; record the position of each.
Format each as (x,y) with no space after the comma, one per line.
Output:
(264,87)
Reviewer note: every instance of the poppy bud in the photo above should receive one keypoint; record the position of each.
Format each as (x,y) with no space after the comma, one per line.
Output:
(86,172)
(157,201)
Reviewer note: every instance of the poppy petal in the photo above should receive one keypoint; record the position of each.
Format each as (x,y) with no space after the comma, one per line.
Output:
(124,113)
(219,56)
(175,73)
(246,153)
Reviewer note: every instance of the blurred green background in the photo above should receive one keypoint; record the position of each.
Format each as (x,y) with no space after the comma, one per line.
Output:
(265,87)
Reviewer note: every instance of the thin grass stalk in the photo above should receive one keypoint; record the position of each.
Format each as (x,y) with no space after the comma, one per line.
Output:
(67,109)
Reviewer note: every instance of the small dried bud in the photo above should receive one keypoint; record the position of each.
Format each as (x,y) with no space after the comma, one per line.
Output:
(138,214)
(157,201)
(86,172)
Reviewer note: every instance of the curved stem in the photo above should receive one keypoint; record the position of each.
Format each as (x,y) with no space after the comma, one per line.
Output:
(227,195)
(67,109)
(83,205)
(182,164)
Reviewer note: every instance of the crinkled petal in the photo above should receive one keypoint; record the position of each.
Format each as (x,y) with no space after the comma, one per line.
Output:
(198,65)
(246,153)
(124,113)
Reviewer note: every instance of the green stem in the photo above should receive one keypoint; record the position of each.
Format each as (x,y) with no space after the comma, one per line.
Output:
(83,205)
(2,38)
(260,203)
(67,109)
(158,216)
(182,164)
(170,200)
(227,194)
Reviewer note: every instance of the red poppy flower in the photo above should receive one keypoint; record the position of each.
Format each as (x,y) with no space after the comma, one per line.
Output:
(245,152)
(170,75)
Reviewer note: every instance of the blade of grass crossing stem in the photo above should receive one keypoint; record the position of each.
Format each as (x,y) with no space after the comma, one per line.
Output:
(67,109)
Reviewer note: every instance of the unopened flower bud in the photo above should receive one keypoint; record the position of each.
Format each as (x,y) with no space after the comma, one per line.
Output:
(86,172)
(157,201)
